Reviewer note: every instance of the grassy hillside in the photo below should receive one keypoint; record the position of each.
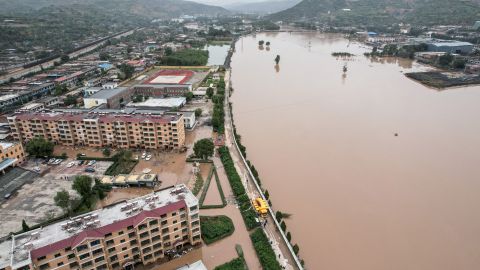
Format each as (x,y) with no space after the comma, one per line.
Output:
(142,8)
(384,12)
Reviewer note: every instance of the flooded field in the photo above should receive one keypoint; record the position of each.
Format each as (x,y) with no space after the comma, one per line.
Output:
(378,171)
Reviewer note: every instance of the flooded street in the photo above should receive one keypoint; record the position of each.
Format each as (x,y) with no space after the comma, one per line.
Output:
(379,172)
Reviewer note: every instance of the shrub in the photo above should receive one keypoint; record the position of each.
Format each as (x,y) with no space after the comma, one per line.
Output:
(235,264)
(264,251)
(215,228)
(246,210)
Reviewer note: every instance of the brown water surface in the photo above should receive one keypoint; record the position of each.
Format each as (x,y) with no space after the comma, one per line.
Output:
(325,146)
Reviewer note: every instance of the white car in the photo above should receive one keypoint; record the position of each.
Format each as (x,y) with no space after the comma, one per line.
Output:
(135,157)
(144,154)
(92,162)
(70,164)
(148,157)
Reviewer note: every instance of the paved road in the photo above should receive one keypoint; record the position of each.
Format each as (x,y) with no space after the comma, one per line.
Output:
(283,255)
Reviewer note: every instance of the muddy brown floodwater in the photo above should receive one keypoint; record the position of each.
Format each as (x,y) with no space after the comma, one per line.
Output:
(378,171)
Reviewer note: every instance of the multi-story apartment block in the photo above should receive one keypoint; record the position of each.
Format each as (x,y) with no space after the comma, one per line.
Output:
(11,154)
(101,130)
(140,231)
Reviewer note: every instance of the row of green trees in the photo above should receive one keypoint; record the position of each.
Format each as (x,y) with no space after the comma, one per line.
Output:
(215,228)
(218,117)
(264,250)
(238,189)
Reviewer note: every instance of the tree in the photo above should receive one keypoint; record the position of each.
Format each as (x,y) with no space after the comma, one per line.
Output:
(106,152)
(459,63)
(278,216)
(267,195)
(203,148)
(25,227)
(188,96)
(62,200)
(445,60)
(268,43)
(70,100)
(64,155)
(83,186)
(289,236)
(283,226)
(104,56)
(64,58)
(296,249)
(277,59)
(261,42)
(127,70)
(60,90)
(39,147)
(209,92)
(198,112)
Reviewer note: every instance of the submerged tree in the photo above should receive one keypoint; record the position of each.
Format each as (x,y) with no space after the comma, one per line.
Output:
(277,59)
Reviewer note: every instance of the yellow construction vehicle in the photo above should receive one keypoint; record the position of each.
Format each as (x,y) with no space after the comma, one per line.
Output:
(261,206)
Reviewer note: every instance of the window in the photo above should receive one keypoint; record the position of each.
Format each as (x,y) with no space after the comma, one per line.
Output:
(68,249)
(175,222)
(94,243)
(130,227)
(134,250)
(163,216)
(102,267)
(109,242)
(87,264)
(153,222)
(174,214)
(158,253)
(148,257)
(84,256)
(73,264)
(60,264)
(165,230)
(156,238)
(131,235)
(133,242)
(120,232)
(71,256)
(115,265)
(41,258)
(164,222)
(167,237)
(57,255)
(99,259)
(143,235)
(125,256)
(122,240)
(124,248)
(193,208)
(108,235)
(145,242)
(146,250)
(111,250)
(157,245)
(154,230)
(113,258)
(97,251)
(82,247)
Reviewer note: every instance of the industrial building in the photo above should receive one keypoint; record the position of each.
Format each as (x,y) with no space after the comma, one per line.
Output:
(160,103)
(450,46)
(144,230)
(112,98)
(136,180)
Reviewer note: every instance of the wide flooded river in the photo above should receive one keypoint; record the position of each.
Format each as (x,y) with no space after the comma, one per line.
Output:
(378,171)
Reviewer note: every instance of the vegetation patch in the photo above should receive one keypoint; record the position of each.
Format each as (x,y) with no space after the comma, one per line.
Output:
(342,54)
(248,214)
(198,184)
(188,57)
(235,264)
(213,172)
(123,163)
(264,250)
(215,228)
(443,80)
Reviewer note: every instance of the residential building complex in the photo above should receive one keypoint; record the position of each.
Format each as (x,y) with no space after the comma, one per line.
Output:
(101,129)
(11,154)
(143,230)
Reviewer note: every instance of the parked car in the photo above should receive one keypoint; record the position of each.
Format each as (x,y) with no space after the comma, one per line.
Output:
(83,154)
(90,170)
(148,157)
(7,196)
(144,154)
(91,162)
(135,157)
(70,164)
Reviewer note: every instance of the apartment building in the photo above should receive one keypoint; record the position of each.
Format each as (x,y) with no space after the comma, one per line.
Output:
(11,154)
(144,230)
(101,129)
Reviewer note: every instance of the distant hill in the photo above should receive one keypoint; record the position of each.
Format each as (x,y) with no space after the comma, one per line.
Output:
(365,12)
(264,7)
(142,8)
